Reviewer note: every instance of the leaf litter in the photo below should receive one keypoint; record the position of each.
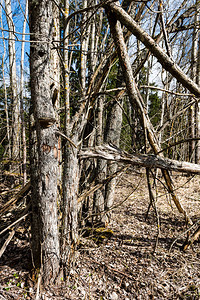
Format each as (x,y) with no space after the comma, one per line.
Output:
(124,265)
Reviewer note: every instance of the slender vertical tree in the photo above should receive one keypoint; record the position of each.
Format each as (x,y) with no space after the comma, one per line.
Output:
(5,90)
(23,129)
(112,135)
(15,135)
(196,50)
(44,144)
(99,195)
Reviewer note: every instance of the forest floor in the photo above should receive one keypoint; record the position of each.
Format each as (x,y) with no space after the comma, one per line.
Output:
(127,265)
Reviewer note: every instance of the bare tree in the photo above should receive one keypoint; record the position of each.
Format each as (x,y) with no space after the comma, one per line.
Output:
(196,76)
(23,125)
(87,107)
(15,135)
(5,91)
(44,144)
(135,99)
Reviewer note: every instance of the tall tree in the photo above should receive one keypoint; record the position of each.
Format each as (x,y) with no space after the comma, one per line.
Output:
(23,129)
(15,136)
(44,144)
(196,67)
(5,90)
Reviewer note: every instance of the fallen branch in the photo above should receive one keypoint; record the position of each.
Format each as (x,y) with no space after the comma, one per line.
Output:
(24,215)
(6,243)
(191,239)
(108,152)
(188,235)
(16,197)
(99,185)
(136,100)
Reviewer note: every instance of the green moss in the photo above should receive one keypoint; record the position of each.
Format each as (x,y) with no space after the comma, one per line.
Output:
(98,235)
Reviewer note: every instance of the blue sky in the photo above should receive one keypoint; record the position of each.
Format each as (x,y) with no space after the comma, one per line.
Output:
(18,11)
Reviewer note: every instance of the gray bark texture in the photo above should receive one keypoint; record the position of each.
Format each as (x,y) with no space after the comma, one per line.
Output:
(44,145)
(98,201)
(70,201)
(111,153)
(113,133)
(197,77)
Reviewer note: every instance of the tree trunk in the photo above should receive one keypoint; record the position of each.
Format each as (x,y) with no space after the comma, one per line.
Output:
(15,136)
(5,90)
(70,180)
(197,78)
(112,135)
(98,202)
(55,74)
(23,129)
(70,202)
(84,47)
(44,144)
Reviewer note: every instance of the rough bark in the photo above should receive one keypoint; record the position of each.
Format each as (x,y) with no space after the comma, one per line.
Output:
(70,202)
(55,77)
(44,144)
(197,77)
(112,135)
(98,202)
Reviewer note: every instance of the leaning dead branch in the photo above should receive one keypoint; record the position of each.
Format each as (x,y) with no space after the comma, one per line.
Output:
(167,63)
(108,152)
(136,99)
(23,215)
(6,243)
(191,239)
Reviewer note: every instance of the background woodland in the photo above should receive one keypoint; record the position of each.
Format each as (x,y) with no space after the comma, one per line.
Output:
(88,90)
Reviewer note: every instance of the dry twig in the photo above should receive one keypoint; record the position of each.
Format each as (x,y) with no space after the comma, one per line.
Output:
(6,243)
